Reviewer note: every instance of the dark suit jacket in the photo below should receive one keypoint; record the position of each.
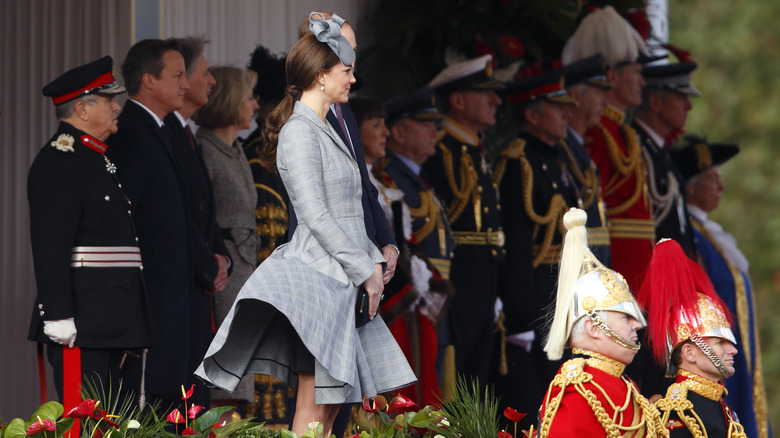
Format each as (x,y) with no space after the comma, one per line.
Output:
(377,227)
(205,240)
(144,157)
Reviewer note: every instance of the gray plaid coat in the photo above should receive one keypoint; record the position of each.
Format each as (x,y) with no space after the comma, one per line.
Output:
(313,282)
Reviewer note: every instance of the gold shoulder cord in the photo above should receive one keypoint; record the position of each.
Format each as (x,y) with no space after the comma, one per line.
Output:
(676,401)
(624,164)
(468,179)
(572,373)
(588,180)
(429,210)
(552,219)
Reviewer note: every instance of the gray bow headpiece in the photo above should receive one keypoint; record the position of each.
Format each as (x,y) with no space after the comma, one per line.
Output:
(329,32)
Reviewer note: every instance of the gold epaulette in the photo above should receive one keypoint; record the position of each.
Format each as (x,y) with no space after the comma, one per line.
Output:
(626,164)
(514,151)
(614,114)
(676,401)
(588,180)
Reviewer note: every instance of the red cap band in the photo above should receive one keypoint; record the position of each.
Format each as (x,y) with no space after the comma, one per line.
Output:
(105,78)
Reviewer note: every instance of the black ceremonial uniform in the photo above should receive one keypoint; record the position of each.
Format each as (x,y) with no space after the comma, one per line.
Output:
(75,201)
(537,190)
(585,177)
(461,176)
(665,190)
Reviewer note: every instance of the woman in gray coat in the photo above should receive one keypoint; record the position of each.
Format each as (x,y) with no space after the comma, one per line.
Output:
(230,109)
(295,316)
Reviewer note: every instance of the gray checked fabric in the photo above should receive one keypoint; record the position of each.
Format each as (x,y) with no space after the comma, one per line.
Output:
(312,281)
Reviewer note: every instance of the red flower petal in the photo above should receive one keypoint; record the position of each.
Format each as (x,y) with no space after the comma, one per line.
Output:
(193,411)
(85,409)
(175,417)
(513,415)
(40,426)
(188,431)
(504,434)
(400,401)
(188,394)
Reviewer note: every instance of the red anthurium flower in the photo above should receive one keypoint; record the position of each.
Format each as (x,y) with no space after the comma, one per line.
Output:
(193,411)
(102,415)
(511,46)
(378,404)
(175,417)
(85,409)
(188,394)
(214,426)
(188,431)
(40,426)
(400,401)
(504,434)
(513,415)
(530,433)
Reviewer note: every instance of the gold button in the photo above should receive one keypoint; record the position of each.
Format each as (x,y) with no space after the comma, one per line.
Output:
(493,251)
(427,219)
(479,189)
(128,212)
(503,251)
(41,312)
(464,148)
(498,207)
(555,185)
(486,210)
(141,267)
(136,239)
(40,305)
(108,198)
(544,166)
(495,186)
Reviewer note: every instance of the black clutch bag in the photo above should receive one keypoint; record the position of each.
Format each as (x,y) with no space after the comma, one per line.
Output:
(361,308)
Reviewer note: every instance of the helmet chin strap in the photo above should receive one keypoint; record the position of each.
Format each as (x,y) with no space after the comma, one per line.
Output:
(705,348)
(623,342)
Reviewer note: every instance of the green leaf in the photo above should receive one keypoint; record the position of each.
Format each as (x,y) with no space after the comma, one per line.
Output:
(64,425)
(15,429)
(209,418)
(233,426)
(48,411)
(288,434)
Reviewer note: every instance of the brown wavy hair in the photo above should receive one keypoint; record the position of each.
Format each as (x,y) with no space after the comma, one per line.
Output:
(307,59)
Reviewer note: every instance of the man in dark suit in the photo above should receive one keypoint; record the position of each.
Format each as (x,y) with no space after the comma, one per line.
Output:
(209,255)
(91,305)
(156,82)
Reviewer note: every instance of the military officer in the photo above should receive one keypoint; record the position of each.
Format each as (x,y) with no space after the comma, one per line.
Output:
(536,189)
(586,82)
(690,333)
(460,174)
(613,145)
(595,313)
(662,114)
(420,223)
(91,305)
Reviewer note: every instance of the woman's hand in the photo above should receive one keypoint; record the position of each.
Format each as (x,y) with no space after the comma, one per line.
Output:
(374,286)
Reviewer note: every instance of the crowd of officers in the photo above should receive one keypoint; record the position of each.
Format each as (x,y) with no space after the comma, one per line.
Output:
(480,243)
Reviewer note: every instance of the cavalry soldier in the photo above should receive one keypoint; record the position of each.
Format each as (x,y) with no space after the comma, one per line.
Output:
(460,174)
(91,305)
(690,333)
(596,314)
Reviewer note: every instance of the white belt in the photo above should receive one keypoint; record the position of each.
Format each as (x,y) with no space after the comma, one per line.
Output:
(105,257)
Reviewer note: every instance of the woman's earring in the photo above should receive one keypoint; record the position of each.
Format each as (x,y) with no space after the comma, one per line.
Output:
(322,87)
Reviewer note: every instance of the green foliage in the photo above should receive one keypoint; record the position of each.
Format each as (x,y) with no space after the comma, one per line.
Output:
(472,413)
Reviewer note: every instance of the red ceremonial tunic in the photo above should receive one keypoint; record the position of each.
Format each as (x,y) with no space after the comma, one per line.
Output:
(614,148)
(589,391)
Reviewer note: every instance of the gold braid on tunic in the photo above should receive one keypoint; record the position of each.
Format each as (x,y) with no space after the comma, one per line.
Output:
(625,164)
(588,181)
(573,373)
(468,180)
(553,218)
(676,401)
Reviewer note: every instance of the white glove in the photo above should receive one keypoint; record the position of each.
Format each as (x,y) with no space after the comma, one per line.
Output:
(498,306)
(61,331)
(523,340)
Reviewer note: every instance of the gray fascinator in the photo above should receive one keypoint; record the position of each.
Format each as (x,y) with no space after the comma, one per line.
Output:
(329,32)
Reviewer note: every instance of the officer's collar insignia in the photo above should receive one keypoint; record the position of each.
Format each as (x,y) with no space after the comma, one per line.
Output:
(94,144)
(64,143)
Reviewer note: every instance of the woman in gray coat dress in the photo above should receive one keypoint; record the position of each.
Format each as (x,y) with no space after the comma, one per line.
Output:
(230,109)
(295,316)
